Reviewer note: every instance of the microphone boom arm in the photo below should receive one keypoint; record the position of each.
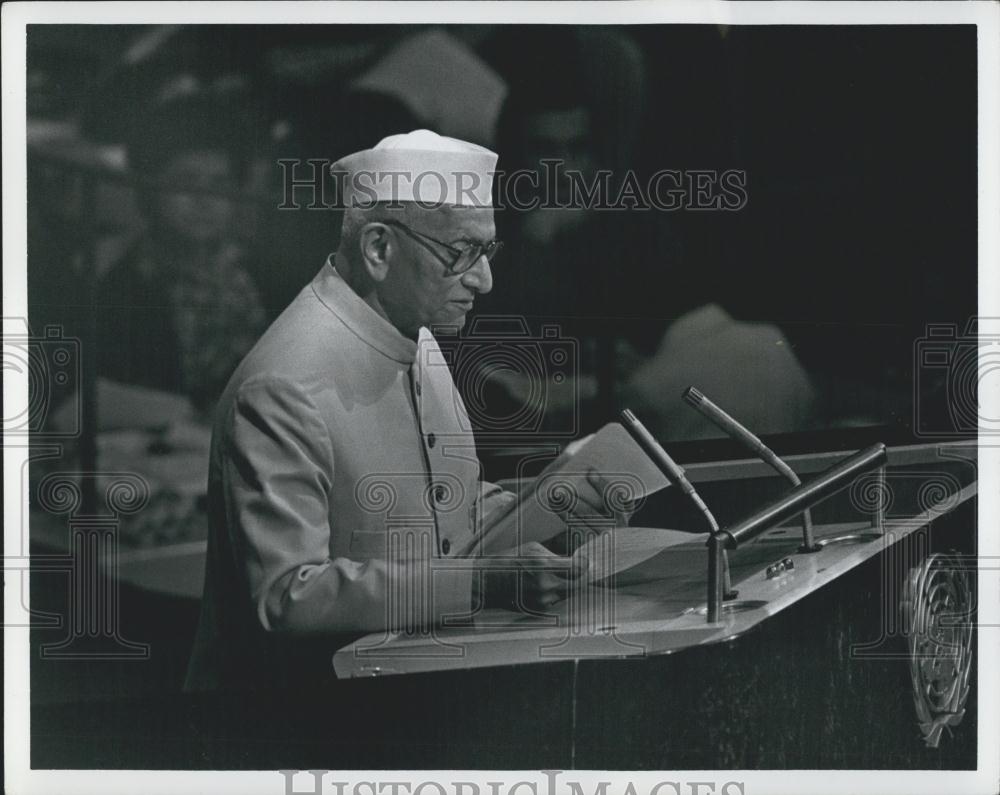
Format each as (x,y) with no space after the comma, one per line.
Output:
(732,428)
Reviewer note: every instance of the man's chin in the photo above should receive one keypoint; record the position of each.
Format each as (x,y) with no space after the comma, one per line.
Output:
(455,317)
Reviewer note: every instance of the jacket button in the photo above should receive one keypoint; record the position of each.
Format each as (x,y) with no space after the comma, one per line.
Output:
(431,440)
(446,546)
(439,494)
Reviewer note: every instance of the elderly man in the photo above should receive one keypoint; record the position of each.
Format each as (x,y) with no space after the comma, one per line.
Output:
(344,481)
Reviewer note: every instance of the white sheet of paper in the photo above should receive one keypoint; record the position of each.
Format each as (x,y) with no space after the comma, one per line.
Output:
(624,550)
(611,452)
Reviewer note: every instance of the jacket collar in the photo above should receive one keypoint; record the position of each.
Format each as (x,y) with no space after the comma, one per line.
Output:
(366,324)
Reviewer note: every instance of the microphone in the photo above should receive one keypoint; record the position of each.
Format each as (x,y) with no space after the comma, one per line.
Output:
(665,463)
(741,434)
(675,475)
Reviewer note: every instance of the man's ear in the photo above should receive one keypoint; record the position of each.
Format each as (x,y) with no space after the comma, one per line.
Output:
(376,248)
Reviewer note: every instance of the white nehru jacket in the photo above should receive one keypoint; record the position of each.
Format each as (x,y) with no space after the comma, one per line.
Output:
(419,166)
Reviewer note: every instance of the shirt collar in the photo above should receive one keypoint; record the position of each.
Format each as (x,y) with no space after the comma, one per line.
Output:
(366,324)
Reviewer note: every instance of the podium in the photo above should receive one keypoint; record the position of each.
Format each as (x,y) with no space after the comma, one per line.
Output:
(823,658)
(657,605)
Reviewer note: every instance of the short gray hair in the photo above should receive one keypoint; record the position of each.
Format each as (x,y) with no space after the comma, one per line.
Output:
(355,218)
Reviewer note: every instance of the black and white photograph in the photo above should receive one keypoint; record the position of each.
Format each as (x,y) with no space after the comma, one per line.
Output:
(491,398)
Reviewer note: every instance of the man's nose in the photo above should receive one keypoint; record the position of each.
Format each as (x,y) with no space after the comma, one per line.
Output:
(479,277)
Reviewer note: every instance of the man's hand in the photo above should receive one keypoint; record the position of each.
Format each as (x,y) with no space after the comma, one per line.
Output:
(536,580)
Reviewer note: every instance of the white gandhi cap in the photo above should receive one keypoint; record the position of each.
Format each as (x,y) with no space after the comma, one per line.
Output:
(419,166)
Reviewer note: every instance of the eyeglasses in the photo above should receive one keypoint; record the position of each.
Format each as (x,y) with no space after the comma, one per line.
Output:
(463,258)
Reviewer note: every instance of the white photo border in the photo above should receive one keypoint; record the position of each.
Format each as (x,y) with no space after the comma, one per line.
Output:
(985,15)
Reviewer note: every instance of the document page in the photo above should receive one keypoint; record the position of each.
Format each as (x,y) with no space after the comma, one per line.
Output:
(611,452)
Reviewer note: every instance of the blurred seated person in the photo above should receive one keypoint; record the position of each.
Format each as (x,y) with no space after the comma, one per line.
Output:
(610,276)
(179,310)
(567,262)
(555,126)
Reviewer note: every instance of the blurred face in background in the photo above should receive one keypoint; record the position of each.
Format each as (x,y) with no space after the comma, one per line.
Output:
(184,214)
(561,135)
(566,136)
